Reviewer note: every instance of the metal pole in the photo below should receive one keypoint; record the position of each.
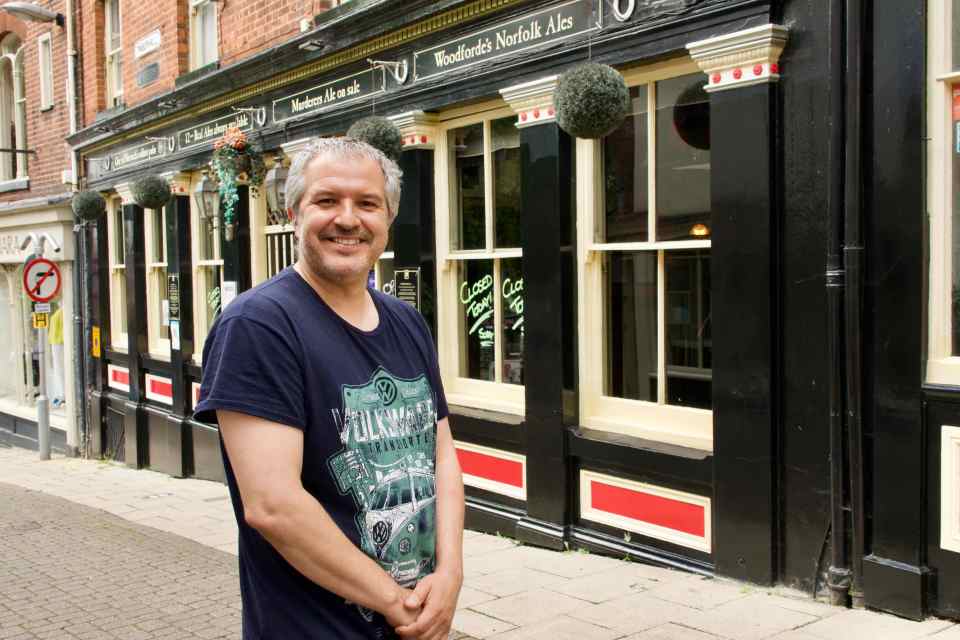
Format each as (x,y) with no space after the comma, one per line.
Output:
(43,404)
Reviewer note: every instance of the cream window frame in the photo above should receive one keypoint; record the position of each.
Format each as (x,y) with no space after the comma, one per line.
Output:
(942,366)
(684,426)
(378,270)
(158,334)
(113,61)
(45,65)
(118,339)
(198,227)
(197,35)
(500,397)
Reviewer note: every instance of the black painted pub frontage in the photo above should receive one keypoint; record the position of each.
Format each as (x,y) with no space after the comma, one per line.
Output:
(721,338)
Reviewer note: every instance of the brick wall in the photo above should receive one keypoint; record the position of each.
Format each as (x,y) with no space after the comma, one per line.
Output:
(255,25)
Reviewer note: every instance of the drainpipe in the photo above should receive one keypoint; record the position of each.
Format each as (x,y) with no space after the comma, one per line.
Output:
(838,575)
(853,252)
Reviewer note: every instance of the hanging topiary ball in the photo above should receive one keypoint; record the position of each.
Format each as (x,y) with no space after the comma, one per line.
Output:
(151,192)
(88,205)
(592,100)
(379,133)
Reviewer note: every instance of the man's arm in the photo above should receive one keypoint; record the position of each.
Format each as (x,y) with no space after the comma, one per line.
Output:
(266,458)
(438,592)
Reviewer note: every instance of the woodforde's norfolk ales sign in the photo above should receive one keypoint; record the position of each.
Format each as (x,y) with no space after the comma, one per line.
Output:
(525,32)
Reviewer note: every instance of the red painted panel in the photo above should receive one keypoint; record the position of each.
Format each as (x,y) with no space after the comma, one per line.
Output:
(490,467)
(161,388)
(123,377)
(645,507)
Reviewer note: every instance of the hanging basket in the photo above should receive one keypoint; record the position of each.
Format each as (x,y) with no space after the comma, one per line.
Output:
(88,205)
(379,133)
(151,192)
(592,100)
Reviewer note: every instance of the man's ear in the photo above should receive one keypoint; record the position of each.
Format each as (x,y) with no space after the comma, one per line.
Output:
(290,214)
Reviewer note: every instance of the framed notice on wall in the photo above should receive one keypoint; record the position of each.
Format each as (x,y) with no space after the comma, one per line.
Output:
(406,286)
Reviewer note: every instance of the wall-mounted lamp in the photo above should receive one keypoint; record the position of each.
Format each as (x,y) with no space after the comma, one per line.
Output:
(313,44)
(275,188)
(206,197)
(700,230)
(33,12)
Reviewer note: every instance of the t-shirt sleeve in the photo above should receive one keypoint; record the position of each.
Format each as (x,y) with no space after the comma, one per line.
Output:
(252,368)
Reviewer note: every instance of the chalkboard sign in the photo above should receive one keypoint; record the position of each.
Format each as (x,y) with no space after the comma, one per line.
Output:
(406,286)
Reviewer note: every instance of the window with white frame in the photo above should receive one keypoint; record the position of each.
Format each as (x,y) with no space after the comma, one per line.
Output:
(481,261)
(13,109)
(207,275)
(158,310)
(45,60)
(644,303)
(114,52)
(943,191)
(204,39)
(118,275)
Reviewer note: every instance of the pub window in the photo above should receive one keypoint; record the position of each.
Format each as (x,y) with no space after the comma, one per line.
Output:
(207,275)
(204,39)
(646,335)
(118,275)
(45,60)
(13,109)
(114,52)
(943,191)
(158,310)
(481,273)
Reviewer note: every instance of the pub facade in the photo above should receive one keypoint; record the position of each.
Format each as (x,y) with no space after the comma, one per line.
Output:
(717,338)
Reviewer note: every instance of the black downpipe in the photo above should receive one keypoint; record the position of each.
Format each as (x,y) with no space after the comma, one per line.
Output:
(853,264)
(838,575)
(79,360)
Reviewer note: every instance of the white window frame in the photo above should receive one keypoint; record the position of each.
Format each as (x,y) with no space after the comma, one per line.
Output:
(197,41)
(494,396)
(198,227)
(942,366)
(684,426)
(158,334)
(113,59)
(118,275)
(13,106)
(45,62)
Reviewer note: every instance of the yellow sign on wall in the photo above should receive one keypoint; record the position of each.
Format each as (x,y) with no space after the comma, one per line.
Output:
(95,342)
(41,320)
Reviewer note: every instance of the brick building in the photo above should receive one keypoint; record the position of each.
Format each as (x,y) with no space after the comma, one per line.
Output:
(36,103)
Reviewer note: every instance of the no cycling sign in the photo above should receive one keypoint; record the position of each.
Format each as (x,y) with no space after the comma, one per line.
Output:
(41,280)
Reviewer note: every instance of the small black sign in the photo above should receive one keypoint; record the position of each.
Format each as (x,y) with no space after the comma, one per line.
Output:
(522,33)
(137,155)
(330,95)
(148,74)
(173,295)
(209,131)
(406,286)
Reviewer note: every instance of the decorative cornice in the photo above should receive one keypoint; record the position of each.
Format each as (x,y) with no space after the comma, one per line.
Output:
(418,129)
(125,191)
(179,182)
(291,149)
(741,59)
(533,101)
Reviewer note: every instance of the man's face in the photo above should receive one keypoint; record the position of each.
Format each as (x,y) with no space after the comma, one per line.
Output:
(343,222)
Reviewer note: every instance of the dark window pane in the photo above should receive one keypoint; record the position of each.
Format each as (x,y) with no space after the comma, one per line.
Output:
(631,325)
(506,182)
(511,291)
(688,330)
(683,159)
(468,226)
(625,176)
(477,355)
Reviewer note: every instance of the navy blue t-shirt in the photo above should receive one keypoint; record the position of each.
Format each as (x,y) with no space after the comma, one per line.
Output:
(368,404)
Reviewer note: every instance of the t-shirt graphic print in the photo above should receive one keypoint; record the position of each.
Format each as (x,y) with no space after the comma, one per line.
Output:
(388,431)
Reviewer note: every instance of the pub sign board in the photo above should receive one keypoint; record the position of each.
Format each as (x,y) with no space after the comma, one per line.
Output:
(210,131)
(330,95)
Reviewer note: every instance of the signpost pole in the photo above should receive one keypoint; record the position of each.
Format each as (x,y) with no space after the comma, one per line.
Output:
(41,281)
(43,403)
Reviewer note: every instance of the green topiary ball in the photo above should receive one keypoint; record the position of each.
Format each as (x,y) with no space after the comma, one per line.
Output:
(592,100)
(151,192)
(88,205)
(379,133)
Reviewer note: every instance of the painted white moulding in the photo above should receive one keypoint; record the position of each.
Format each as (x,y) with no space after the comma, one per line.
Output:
(741,59)
(950,488)
(417,128)
(532,101)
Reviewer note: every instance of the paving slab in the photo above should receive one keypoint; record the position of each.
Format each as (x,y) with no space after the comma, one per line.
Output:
(747,619)
(672,631)
(529,607)
(560,628)
(867,625)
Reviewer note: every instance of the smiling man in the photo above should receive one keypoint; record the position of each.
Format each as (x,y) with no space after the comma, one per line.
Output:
(333,426)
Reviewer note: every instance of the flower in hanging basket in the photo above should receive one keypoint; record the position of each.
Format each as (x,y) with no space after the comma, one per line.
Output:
(233,156)
(379,133)
(151,192)
(592,100)
(88,205)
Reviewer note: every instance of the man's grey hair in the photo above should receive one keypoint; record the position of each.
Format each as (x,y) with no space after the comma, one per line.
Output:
(346,149)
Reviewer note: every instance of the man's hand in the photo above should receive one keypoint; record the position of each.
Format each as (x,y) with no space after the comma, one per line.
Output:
(437,594)
(404,613)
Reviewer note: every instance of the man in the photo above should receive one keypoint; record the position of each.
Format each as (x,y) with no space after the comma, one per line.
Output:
(333,425)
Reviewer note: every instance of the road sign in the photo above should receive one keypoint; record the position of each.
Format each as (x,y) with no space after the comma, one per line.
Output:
(41,280)
(41,320)
(41,307)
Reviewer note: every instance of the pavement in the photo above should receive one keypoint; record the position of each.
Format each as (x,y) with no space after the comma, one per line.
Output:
(91,549)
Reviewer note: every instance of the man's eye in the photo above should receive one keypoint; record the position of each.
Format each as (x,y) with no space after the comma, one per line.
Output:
(326,202)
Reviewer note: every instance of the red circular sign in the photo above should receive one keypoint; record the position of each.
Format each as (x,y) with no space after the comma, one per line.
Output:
(41,280)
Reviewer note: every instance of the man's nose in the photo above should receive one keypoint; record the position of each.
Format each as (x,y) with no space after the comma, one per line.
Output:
(347,215)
